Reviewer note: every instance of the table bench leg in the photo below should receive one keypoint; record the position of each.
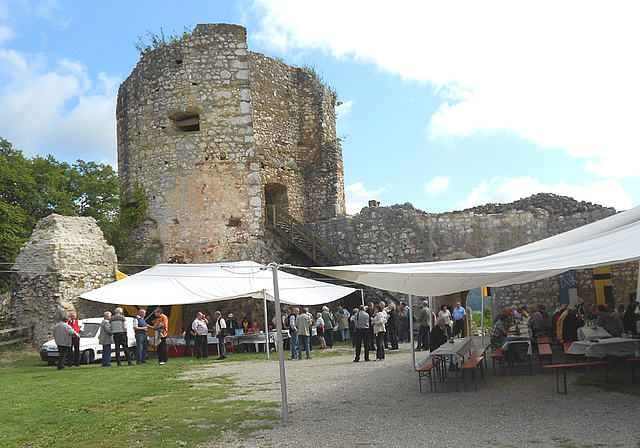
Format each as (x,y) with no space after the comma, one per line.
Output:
(564,379)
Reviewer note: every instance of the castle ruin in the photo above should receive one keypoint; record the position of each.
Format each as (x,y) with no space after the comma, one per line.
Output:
(213,133)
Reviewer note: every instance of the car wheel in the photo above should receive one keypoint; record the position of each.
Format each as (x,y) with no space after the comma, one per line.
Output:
(87,357)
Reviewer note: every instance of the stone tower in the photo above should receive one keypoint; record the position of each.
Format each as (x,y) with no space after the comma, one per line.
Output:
(212,133)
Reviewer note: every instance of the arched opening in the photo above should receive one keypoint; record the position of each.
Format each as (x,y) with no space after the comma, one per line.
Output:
(276,194)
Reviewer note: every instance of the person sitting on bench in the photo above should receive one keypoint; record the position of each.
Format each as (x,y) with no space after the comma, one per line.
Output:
(438,334)
(498,334)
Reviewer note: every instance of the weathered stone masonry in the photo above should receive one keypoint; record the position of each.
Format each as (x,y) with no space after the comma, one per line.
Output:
(404,234)
(64,257)
(212,133)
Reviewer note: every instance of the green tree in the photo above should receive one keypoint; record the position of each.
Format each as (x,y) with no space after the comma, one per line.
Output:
(31,189)
(95,191)
(53,188)
(17,187)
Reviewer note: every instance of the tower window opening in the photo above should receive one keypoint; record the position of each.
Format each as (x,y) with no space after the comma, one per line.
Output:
(189,124)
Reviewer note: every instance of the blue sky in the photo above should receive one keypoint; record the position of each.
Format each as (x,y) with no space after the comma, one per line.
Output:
(445,105)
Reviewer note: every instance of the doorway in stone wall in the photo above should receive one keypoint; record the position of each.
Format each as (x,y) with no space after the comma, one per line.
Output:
(276,194)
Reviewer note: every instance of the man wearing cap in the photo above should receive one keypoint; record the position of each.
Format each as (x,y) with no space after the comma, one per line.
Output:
(232,325)
(570,325)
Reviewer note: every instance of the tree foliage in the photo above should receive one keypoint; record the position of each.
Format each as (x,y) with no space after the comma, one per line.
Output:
(31,189)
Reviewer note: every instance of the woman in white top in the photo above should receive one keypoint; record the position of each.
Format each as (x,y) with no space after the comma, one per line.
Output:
(320,331)
(379,321)
(446,315)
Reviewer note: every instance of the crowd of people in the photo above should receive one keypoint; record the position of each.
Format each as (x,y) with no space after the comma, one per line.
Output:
(376,327)
(567,319)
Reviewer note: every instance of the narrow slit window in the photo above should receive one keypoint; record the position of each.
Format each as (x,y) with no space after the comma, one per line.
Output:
(189,124)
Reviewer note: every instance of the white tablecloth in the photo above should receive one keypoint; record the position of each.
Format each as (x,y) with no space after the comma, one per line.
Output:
(455,351)
(586,333)
(507,342)
(604,347)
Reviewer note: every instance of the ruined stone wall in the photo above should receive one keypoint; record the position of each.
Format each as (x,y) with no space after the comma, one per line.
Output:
(403,234)
(64,257)
(547,291)
(295,138)
(206,128)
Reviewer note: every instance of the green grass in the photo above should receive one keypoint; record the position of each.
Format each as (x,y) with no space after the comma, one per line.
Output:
(122,406)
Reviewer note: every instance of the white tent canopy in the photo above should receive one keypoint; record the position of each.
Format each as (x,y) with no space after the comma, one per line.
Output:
(177,284)
(609,241)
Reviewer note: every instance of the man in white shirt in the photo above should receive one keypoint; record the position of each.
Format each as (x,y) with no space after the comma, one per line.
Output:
(199,327)
(221,329)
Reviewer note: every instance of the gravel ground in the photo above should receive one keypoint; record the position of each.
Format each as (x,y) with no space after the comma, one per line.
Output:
(346,404)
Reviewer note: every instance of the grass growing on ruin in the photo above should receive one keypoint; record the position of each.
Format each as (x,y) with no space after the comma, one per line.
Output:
(122,406)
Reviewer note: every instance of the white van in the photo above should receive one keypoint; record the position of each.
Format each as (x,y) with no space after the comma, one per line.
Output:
(90,347)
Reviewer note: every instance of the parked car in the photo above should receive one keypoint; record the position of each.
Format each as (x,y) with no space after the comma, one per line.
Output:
(90,347)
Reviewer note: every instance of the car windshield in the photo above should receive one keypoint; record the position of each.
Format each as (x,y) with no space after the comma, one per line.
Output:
(90,330)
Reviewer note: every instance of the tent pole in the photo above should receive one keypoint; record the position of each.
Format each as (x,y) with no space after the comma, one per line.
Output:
(283,379)
(431,311)
(481,315)
(266,320)
(362,295)
(413,350)
(638,286)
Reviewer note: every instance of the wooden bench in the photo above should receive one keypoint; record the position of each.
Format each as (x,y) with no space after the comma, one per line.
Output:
(481,352)
(428,371)
(542,340)
(471,365)
(498,357)
(631,362)
(545,352)
(564,368)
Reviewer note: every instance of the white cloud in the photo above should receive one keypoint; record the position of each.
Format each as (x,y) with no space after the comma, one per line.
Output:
(608,192)
(437,185)
(357,197)
(344,109)
(561,74)
(58,110)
